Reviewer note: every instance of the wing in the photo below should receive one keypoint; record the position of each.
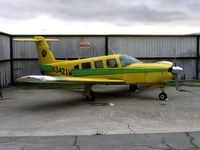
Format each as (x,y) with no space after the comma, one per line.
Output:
(60,79)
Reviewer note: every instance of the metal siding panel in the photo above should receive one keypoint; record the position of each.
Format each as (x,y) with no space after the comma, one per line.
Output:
(5,77)
(188,65)
(24,49)
(4,47)
(154,46)
(199,61)
(135,46)
(199,70)
(22,68)
(67,47)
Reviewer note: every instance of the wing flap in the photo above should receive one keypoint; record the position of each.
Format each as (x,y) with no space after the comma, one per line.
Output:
(59,79)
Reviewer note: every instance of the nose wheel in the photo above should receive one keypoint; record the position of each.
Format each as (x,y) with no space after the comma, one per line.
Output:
(133,87)
(163,96)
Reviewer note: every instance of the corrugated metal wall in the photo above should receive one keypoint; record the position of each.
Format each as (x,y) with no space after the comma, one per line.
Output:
(5,73)
(148,48)
(23,50)
(198,53)
(4,47)
(189,66)
(67,47)
(25,67)
(5,70)
(152,47)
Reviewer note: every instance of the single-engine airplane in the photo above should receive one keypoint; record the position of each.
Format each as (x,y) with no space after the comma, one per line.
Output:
(111,69)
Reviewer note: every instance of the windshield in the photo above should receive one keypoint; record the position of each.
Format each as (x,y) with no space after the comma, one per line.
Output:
(127,60)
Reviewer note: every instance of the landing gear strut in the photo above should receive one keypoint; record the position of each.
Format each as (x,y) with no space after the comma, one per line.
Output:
(162,95)
(88,92)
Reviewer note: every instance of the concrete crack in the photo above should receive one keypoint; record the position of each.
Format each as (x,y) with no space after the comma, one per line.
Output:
(130,128)
(151,147)
(192,140)
(124,123)
(76,142)
(167,145)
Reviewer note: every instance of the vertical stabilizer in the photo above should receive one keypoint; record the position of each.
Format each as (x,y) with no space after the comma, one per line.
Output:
(44,54)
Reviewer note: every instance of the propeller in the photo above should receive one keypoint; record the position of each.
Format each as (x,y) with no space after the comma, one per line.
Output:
(176,70)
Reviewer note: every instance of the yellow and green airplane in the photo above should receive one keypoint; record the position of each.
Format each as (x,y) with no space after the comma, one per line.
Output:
(111,69)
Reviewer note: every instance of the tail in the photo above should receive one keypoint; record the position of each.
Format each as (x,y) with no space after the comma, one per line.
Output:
(44,54)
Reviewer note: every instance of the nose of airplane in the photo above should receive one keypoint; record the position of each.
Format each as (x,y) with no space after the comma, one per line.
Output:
(177,69)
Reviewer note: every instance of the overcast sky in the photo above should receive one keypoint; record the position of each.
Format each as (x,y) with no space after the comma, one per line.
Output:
(100,16)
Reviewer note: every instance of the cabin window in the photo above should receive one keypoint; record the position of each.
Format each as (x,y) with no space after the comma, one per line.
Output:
(111,63)
(127,60)
(98,64)
(86,65)
(76,67)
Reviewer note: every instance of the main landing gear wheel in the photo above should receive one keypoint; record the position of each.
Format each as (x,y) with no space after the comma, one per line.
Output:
(91,96)
(163,96)
(133,87)
(88,93)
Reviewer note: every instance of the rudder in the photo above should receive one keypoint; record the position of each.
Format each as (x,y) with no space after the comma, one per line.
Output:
(44,54)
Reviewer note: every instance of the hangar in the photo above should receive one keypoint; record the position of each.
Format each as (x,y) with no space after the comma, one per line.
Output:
(53,115)
(19,59)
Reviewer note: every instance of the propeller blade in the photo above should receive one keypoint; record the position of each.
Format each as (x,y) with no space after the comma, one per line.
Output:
(176,70)
(176,83)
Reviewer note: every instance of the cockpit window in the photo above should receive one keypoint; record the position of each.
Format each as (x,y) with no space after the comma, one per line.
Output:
(127,60)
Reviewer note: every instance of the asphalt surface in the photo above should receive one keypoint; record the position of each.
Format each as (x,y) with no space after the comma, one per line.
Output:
(153,141)
(43,118)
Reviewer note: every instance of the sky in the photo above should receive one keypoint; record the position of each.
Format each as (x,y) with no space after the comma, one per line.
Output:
(100,16)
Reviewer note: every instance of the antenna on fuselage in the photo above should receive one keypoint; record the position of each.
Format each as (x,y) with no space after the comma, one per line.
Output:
(112,50)
(175,56)
(78,57)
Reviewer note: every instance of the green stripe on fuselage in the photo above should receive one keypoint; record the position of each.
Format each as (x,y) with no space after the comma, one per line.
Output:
(92,72)
(46,68)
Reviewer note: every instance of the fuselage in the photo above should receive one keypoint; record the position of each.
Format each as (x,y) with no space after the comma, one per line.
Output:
(123,67)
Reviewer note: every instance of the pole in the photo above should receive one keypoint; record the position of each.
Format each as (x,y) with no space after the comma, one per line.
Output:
(1,95)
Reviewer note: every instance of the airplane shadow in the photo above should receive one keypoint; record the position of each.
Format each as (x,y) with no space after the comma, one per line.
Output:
(121,93)
(46,106)
(102,96)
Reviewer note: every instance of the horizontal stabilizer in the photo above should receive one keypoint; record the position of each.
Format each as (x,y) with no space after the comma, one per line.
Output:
(34,40)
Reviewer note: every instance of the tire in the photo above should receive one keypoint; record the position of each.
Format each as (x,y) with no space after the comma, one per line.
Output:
(133,87)
(162,96)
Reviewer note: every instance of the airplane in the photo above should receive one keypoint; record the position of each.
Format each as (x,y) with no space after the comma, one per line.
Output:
(110,69)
